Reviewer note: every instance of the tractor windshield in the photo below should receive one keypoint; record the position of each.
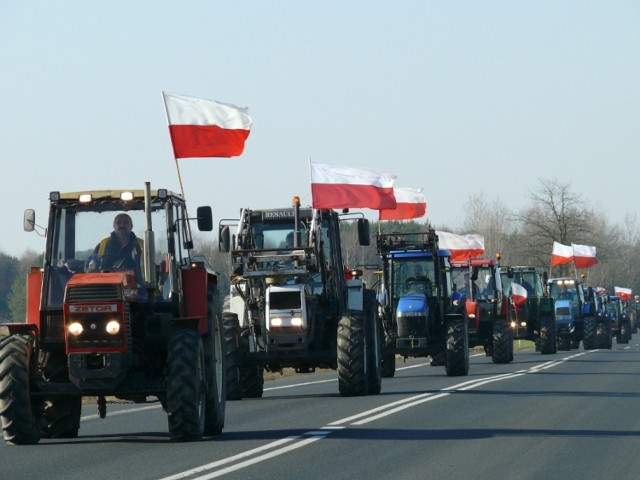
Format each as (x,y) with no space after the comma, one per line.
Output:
(413,276)
(87,239)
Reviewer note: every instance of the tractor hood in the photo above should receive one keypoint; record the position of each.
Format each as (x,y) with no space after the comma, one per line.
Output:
(564,312)
(412,305)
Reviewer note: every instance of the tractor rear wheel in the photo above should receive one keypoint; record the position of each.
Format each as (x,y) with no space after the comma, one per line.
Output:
(252,381)
(374,343)
(457,352)
(214,359)
(186,385)
(502,351)
(18,422)
(352,357)
(388,362)
(589,333)
(231,327)
(604,336)
(548,342)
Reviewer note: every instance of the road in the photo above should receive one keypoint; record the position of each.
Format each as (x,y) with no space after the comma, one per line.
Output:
(569,415)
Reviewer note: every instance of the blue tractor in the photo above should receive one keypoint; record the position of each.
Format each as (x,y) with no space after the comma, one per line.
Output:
(421,316)
(575,312)
(620,321)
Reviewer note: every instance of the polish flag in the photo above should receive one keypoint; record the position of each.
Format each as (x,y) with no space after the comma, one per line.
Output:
(561,254)
(204,128)
(462,247)
(623,293)
(348,187)
(519,295)
(410,203)
(584,256)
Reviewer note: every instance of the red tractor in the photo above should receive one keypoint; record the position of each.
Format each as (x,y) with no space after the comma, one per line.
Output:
(478,280)
(147,324)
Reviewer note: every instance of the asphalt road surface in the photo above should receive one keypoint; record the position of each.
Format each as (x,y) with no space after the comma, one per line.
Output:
(572,415)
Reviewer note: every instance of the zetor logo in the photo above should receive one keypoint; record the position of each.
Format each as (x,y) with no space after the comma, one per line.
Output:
(92,308)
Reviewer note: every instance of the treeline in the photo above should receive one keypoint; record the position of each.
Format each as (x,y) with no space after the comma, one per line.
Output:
(13,284)
(525,237)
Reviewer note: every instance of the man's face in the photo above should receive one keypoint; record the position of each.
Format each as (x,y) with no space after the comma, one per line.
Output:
(122,224)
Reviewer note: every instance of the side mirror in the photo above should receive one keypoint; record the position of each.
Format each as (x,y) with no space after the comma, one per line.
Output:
(224,239)
(29,221)
(205,219)
(510,272)
(364,236)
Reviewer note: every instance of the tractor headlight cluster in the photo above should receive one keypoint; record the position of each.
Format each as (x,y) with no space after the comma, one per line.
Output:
(112,327)
(286,322)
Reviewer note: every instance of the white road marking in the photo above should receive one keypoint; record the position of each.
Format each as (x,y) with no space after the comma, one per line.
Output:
(362,418)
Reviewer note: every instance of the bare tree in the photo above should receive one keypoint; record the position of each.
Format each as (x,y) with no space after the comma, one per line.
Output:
(492,220)
(557,214)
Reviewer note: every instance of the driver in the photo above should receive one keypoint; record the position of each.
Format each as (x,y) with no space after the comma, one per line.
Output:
(121,249)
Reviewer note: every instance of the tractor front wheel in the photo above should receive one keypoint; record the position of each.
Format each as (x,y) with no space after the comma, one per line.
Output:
(18,422)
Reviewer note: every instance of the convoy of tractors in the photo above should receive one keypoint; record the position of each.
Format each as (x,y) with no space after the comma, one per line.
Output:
(137,316)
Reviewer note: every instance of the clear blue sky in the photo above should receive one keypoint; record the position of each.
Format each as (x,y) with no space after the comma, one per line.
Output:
(456,97)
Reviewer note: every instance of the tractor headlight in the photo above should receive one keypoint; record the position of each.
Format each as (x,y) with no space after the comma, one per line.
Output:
(75,328)
(113,327)
(286,322)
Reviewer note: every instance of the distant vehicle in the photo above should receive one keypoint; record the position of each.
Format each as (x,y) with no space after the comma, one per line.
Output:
(603,332)
(531,313)
(421,315)
(292,305)
(571,315)
(480,282)
(620,321)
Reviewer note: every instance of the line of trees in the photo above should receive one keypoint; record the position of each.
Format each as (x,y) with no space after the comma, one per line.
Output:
(525,237)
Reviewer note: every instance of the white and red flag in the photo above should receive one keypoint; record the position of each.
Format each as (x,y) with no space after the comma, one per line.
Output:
(519,295)
(462,247)
(561,254)
(584,256)
(349,187)
(623,293)
(204,128)
(410,203)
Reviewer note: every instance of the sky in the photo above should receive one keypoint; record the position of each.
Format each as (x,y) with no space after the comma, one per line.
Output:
(458,98)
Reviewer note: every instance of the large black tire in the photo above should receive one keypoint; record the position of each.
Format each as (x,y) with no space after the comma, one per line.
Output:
(457,352)
(589,333)
(374,343)
(547,336)
(502,351)
(564,343)
(388,362)
(252,381)
(625,334)
(604,335)
(437,359)
(58,417)
(186,389)
(18,422)
(231,327)
(352,357)
(214,359)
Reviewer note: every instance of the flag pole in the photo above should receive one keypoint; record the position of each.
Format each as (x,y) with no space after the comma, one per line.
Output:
(175,159)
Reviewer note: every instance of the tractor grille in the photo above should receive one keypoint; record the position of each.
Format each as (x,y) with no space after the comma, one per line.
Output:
(93,293)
